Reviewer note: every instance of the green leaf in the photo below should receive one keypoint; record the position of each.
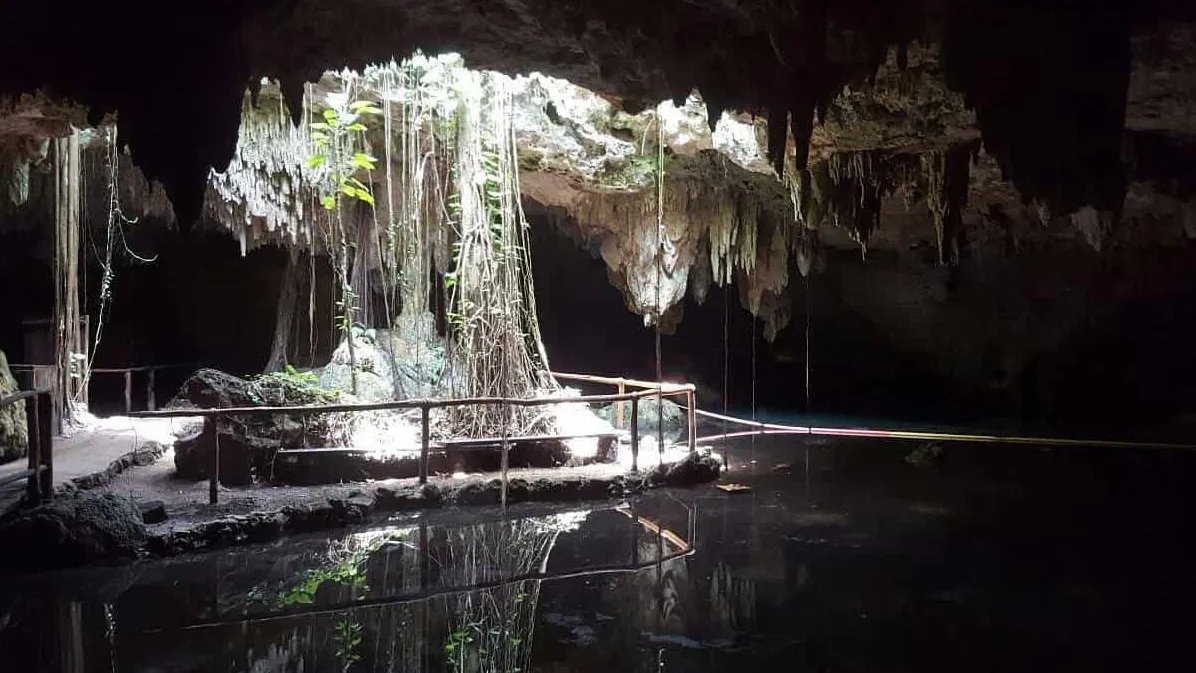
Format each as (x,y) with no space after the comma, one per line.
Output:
(348,190)
(364,161)
(331,116)
(316,160)
(366,196)
(329,202)
(356,126)
(318,136)
(365,107)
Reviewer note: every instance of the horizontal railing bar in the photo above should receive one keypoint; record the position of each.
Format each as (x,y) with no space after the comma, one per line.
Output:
(456,444)
(16,476)
(139,368)
(608,380)
(668,391)
(21,395)
(465,442)
(871,433)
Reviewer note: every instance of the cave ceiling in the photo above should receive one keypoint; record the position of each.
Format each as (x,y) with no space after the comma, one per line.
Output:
(1057,89)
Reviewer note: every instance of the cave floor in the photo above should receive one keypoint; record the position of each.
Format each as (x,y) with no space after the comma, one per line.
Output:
(91,448)
(83,459)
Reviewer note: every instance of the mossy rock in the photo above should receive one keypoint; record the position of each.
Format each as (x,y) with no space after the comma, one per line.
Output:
(14,436)
(73,530)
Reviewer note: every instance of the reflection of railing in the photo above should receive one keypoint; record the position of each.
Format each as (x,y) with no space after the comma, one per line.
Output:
(683,549)
(39,418)
(426,405)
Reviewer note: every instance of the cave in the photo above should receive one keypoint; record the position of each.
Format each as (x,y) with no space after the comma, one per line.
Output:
(436,306)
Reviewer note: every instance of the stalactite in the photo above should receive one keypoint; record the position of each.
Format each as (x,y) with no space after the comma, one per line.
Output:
(1096,225)
(947,174)
(266,191)
(18,182)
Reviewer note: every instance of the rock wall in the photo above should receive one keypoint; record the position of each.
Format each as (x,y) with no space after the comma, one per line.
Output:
(14,438)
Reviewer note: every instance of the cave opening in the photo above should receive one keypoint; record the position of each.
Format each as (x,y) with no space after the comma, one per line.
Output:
(854,324)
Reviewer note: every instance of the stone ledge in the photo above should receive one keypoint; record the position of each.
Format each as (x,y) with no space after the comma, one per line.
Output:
(147,454)
(357,506)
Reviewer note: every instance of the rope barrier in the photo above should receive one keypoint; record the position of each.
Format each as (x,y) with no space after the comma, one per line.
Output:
(874,433)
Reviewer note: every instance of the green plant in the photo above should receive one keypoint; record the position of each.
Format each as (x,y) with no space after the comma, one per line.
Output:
(347,637)
(290,386)
(335,152)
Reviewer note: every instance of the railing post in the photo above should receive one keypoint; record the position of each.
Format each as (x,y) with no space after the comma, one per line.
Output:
(128,391)
(214,480)
(425,431)
(45,440)
(33,449)
(150,402)
(635,434)
(619,406)
(691,400)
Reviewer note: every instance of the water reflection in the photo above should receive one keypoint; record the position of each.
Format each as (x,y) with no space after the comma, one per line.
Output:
(450,596)
(1011,561)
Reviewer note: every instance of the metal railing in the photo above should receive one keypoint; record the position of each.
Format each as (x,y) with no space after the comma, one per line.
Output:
(426,405)
(38,378)
(150,397)
(39,419)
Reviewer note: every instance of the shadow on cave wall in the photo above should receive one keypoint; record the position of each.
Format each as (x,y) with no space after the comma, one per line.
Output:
(1130,372)
(198,303)
(854,371)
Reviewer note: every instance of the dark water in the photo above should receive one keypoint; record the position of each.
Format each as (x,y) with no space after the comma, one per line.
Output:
(981,559)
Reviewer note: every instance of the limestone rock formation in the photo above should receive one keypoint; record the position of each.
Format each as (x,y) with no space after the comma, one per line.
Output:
(14,436)
(675,418)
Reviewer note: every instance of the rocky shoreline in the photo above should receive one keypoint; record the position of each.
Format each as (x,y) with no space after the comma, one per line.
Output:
(85,526)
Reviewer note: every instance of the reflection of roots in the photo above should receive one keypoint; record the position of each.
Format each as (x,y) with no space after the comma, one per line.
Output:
(491,630)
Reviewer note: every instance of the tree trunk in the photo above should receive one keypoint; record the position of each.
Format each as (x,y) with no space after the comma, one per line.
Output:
(67,341)
(288,297)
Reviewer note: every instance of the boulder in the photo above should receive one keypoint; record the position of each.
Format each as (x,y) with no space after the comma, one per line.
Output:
(245,458)
(692,470)
(404,363)
(249,443)
(153,511)
(73,530)
(675,418)
(211,388)
(14,438)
